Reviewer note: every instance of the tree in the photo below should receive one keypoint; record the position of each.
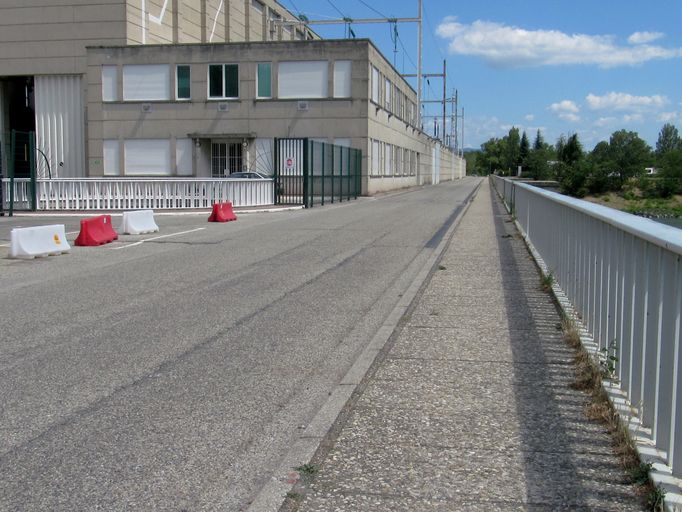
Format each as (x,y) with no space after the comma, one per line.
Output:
(512,150)
(539,142)
(629,155)
(570,150)
(668,140)
(602,166)
(524,150)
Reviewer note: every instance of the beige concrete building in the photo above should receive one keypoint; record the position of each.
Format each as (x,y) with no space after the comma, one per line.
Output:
(200,88)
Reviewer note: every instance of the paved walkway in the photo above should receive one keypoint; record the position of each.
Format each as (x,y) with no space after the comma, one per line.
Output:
(471,409)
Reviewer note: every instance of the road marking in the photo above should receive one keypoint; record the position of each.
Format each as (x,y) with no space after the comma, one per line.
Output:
(156,238)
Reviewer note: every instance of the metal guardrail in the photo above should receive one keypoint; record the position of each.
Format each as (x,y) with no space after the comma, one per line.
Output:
(623,277)
(140,193)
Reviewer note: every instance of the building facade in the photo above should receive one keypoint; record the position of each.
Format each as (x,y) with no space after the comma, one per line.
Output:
(200,88)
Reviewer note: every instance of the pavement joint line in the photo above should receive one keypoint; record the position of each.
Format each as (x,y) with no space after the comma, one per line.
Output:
(272,495)
(156,238)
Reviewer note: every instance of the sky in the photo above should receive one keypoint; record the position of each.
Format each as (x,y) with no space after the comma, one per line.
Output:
(586,67)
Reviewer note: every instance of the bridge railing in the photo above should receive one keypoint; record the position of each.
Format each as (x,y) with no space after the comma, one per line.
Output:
(139,193)
(621,273)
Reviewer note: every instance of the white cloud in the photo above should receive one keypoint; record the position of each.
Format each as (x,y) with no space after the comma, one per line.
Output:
(624,101)
(605,121)
(633,118)
(564,106)
(529,117)
(509,46)
(566,110)
(645,37)
(666,117)
(569,116)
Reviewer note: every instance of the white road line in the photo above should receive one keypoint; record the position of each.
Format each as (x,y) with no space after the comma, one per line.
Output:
(156,238)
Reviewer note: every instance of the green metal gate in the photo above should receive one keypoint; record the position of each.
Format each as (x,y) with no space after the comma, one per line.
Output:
(19,188)
(308,172)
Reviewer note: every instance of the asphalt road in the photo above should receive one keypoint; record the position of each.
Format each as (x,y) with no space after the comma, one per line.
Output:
(173,374)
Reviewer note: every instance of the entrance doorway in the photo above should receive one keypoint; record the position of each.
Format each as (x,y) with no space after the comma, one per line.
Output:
(226,158)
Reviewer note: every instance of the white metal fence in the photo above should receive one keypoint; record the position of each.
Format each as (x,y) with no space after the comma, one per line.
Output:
(139,193)
(621,274)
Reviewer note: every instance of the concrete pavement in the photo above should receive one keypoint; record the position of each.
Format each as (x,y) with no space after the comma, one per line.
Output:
(176,373)
(469,406)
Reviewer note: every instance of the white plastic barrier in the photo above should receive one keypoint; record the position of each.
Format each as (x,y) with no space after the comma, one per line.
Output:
(138,222)
(38,241)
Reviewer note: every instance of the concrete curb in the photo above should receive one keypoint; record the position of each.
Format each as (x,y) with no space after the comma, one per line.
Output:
(273,494)
(118,213)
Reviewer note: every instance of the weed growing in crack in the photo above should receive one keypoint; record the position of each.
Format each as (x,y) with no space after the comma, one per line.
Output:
(546,282)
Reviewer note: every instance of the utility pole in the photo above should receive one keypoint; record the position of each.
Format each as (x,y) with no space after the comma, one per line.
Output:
(462,131)
(419,67)
(445,95)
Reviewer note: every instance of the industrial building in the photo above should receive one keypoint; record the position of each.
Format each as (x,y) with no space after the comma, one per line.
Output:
(200,88)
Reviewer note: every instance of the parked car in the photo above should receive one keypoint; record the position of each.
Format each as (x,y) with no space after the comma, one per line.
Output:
(248,175)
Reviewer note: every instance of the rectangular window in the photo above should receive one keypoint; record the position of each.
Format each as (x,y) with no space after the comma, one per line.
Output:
(375,85)
(302,79)
(146,82)
(342,78)
(257,5)
(264,80)
(182,82)
(109,83)
(387,95)
(375,158)
(226,159)
(111,159)
(223,81)
(183,157)
(147,157)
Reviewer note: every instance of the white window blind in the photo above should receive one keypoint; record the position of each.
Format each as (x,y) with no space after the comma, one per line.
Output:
(342,142)
(111,160)
(387,95)
(183,157)
(375,158)
(109,83)
(147,157)
(302,79)
(342,73)
(375,85)
(146,82)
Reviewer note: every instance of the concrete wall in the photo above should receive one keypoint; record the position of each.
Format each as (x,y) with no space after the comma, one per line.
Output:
(41,37)
(246,117)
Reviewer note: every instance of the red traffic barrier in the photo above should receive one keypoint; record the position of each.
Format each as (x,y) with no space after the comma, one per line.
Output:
(96,231)
(222,212)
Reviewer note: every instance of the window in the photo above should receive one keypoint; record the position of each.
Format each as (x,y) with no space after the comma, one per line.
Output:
(144,157)
(182,82)
(146,82)
(183,157)
(109,83)
(264,80)
(342,78)
(111,159)
(258,5)
(302,79)
(375,158)
(387,95)
(375,85)
(226,159)
(223,81)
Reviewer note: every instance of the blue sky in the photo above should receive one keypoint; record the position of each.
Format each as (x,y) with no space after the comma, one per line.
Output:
(585,67)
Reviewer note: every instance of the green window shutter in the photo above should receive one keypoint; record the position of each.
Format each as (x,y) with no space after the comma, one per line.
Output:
(264,80)
(231,81)
(215,81)
(183,82)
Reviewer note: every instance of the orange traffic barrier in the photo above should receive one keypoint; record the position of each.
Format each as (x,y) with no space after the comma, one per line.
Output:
(222,212)
(96,231)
